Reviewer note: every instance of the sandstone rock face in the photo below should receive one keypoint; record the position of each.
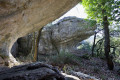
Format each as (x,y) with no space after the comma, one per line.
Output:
(65,35)
(20,17)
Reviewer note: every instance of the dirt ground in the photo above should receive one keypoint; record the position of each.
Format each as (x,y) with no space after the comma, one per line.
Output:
(97,67)
(93,66)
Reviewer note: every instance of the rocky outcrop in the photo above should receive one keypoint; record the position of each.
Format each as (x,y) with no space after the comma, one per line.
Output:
(65,35)
(62,36)
(20,17)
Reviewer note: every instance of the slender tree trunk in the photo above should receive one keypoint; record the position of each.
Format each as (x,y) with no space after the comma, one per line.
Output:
(36,45)
(94,44)
(33,45)
(107,43)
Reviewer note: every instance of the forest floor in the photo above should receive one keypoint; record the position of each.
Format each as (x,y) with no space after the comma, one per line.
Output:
(92,66)
(97,67)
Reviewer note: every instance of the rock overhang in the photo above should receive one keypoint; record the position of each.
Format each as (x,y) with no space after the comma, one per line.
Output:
(20,17)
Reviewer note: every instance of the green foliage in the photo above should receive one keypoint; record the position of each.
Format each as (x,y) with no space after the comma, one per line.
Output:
(114,42)
(96,70)
(64,58)
(99,9)
(116,11)
(99,48)
(3,56)
(91,23)
(67,69)
(95,8)
(85,46)
(103,77)
(28,58)
(86,56)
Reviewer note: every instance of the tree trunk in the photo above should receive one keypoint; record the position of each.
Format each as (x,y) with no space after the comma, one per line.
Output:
(32,71)
(33,45)
(36,45)
(94,43)
(107,43)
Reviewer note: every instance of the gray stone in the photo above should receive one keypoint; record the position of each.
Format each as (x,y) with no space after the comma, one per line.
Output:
(20,17)
(62,36)
(65,35)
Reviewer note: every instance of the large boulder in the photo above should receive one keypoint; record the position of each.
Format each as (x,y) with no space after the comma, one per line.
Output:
(62,36)
(65,35)
(20,17)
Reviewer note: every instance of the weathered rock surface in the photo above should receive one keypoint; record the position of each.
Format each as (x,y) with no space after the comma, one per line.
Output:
(14,49)
(34,71)
(20,17)
(65,35)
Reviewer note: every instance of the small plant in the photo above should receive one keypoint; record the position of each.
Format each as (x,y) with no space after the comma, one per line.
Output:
(103,77)
(85,46)
(3,56)
(86,56)
(64,58)
(67,69)
(96,70)
(28,58)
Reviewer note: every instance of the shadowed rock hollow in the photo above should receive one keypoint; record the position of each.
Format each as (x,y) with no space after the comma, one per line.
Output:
(20,17)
